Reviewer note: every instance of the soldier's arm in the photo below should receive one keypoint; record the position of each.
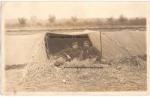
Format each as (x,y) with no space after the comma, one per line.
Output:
(96,54)
(61,59)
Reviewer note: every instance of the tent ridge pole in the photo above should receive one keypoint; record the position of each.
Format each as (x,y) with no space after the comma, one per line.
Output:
(101,46)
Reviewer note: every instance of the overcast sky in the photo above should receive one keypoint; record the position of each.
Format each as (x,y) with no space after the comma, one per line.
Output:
(67,9)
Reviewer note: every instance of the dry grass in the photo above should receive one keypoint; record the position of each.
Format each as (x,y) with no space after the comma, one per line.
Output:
(115,77)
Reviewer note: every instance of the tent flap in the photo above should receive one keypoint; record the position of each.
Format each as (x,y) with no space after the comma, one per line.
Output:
(95,39)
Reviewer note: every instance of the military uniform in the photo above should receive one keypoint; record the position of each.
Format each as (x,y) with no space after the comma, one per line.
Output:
(68,55)
(91,52)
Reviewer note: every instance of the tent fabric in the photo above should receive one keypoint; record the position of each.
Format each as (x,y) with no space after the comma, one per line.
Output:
(25,49)
(122,44)
(74,32)
(95,39)
(94,36)
(20,49)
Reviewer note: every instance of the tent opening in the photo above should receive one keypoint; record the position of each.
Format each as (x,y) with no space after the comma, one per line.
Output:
(56,42)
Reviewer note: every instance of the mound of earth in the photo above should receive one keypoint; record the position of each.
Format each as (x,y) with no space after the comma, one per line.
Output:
(47,77)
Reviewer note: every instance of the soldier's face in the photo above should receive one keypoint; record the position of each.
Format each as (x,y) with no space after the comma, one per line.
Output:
(86,45)
(75,46)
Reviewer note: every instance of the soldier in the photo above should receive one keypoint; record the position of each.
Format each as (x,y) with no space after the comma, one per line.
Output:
(90,52)
(68,54)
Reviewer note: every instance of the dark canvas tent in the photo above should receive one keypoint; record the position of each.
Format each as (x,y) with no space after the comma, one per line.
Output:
(24,49)
(55,42)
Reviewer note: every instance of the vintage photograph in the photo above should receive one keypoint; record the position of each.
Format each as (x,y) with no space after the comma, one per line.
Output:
(74,47)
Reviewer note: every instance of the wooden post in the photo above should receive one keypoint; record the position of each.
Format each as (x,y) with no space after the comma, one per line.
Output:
(101,46)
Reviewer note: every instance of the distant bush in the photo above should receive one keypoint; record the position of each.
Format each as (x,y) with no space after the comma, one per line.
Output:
(51,20)
(137,21)
(80,22)
(22,21)
(122,20)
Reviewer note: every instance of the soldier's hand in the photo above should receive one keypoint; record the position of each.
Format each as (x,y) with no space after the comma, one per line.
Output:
(59,61)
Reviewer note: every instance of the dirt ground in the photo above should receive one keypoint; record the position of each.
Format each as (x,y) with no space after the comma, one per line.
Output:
(115,77)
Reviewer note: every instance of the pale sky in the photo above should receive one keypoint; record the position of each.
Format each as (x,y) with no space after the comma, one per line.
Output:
(67,9)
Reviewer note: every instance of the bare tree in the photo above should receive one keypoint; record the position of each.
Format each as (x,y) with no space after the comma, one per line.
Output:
(111,21)
(51,19)
(137,21)
(122,20)
(74,19)
(22,21)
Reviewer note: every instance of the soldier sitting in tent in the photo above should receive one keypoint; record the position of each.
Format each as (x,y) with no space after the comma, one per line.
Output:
(90,52)
(68,54)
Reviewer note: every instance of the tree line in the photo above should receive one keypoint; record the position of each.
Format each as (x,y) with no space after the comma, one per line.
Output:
(81,22)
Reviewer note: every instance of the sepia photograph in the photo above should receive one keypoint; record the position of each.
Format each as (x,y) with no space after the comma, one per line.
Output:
(96,47)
